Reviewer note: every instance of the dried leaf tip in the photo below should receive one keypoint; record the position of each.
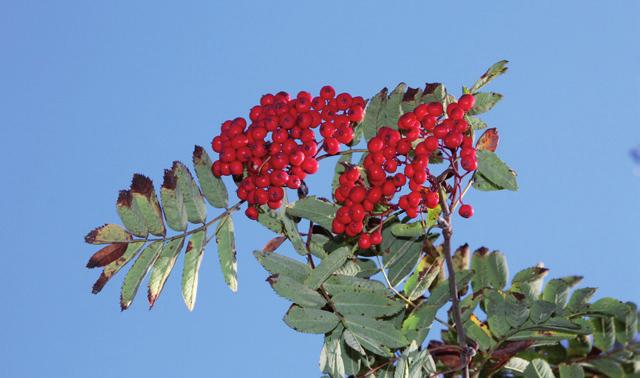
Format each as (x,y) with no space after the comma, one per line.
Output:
(410,94)
(170,180)
(124,198)
(431,87)
(92,236)
(481,251)
(141,184)
(197,153)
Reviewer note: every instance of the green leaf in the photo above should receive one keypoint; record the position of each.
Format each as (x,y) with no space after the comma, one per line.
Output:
(110,270)
(610,306)
(485,101)
(310,320)
(373,334)
(331,361)
(557,290)
(603,333)
(408,230)
(336,285)
(318,211)
(580,298)
(137,273)
(192,260)
(490,269)
(626,330)
(366,304)
(144,198)
(296,292)
(292,233)
(283,266)
(608,367)
(517,311)
(227,252)
(538,368)
(352,342)
(172,202)
(496,310)
(400,255)
(383,110)
(494,71)
(130,215)
(213,188)
(162,268)
(422,278)
(271,220)
(571,371)
(107,234)
(493,173)
(541,311)
(390,113)
(529,282)
(317,245)
(475,123)
(479,333)
(517,364)
(329,265)
(191,195)
(417,324)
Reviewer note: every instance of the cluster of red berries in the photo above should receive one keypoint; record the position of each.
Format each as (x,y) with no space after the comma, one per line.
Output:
(420,134)
(358,203)
(278,149)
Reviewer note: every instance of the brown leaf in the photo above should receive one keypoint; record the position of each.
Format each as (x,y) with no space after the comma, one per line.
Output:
(107,255)
(488,140)
(273,244)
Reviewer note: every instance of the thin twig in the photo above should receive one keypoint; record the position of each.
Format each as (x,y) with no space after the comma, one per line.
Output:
(345,152)
(230,210)
(447,231)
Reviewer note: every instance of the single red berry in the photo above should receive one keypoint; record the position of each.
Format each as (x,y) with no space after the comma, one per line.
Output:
(331,146)
(297,158)
(375,144)
(364,242)
(376,238)
(327,92)
(434,109)
(432,199)
(466,102)
(466,211)
(337,227)
(294,182)
(310,165)
(357,194)
(469,164)
(251,213)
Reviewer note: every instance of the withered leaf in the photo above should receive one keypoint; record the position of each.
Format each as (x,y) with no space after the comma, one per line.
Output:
(107,255)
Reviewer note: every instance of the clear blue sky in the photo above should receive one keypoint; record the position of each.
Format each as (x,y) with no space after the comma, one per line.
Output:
(93,91)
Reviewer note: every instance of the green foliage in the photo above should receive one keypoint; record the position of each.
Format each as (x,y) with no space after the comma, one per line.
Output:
(142,214)
(376,307)
(493,173)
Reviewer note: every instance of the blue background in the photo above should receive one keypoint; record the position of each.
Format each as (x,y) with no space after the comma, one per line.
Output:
(91,92)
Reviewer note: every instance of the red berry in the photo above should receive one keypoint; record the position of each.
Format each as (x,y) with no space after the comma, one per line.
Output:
(251,213)
(466,211)
(466,102)
(376,238)
(434,109)
(375,144)
(327,92)
(364,242)
(310,165)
